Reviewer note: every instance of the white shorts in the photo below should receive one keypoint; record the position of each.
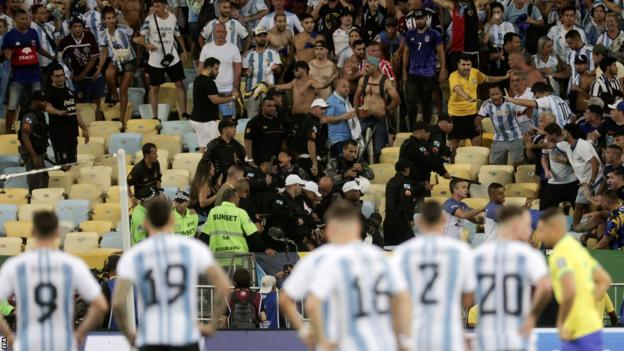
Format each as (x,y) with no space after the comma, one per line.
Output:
(205,131)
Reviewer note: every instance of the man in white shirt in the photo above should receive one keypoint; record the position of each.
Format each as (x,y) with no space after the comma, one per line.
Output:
(546,101)
(558,33)
(236,32)
(228,79)
(562,183)
(340,36)
(292,21)
(159,33)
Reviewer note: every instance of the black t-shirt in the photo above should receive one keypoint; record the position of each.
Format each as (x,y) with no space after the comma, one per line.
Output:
(203,109)
(608,128)
(266,135)
(310,130)
(65,126)
(142,176)
(329,19)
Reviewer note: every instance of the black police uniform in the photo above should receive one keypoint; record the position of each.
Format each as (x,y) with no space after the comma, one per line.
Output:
(224,155)
(142,176)
(34,122)
(419,154)
(402,195)
(280,174)
(310,131)
(260,193)
(438,140)
(285,214)
(338,167)
(266,134)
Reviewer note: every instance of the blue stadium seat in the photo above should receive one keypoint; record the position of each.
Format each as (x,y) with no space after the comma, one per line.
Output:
(176,128)
(73,211)
(135,96)
(112,240)
(190,141)
(368,208)
(9,161)
(145,110)
(17,182)
(130,142)
(7,213)
(170,192)
(189,76)
(241,125)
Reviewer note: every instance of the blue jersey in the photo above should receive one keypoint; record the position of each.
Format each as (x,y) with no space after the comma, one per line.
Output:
(491,220)
(422,51)
(24,58)
(272,312)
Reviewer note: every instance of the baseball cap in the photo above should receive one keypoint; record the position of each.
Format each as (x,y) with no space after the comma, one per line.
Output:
(319,103)
(600,49)
(419,13)
(312,187)
(351,185)
(266,284)
(599,4)
(595,109)
(596,101)
(260,30)
(618,105)
(294,179)
(182,196)
(581,59)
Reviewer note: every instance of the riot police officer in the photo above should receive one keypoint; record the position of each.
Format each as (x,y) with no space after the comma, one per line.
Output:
(225,150)
(417,151)
(33,137)
(402,194)
(288,214)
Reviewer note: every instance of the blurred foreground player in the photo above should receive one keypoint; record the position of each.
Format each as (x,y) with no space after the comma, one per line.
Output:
(164,268)
(44,281)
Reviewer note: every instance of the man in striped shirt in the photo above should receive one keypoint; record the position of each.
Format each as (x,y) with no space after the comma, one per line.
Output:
(260,64)
(546,101)
(507,132)
(558,33)
(45,31)
(607,84)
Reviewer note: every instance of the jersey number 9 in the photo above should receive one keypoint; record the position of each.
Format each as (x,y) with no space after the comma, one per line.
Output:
(45,297)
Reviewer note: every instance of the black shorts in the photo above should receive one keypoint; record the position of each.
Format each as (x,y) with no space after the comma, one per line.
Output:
(464,127)
(65,150)
(157,75)
(191,347)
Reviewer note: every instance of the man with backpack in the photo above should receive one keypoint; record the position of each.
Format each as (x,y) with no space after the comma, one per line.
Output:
(244,307)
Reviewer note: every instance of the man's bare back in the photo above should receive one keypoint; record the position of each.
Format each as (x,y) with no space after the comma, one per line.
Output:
(323,72)
(132,11)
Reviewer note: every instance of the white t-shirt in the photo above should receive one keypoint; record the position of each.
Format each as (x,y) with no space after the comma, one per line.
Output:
(169,31)
(562,173)
(44,282)
(227,54)
(556,105)
(236,32)
(579,157)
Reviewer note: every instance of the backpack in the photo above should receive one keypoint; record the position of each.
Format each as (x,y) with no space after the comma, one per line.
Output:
(243,314)
(382,84)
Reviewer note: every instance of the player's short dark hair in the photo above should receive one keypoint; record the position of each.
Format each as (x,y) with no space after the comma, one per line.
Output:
(349,142)
(229,194)
(509,37)
(147,148)
(553,129)
(45,224)
(568,8)
(494,186)
(454,182)
(267,99)
(242,279)
(465,57)
(301,64)
(158,212)
(211,62)
(430,212)
(402,165)
(498,5)
(495,86)
(574,130)
(606,62)
(541,87)
(573,34)
(106,10)
(342,210)
(619,171)
(510,212)
(550,213)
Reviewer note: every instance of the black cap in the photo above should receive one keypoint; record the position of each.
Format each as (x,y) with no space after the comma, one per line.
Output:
(422,126)
(401,165)
(182,196)
(38,96)
(390,21)
(225,123)
(420,13)
(581,59)
(145,194)
(595,109)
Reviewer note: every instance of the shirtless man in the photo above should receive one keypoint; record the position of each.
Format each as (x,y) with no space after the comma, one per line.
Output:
(374,109)
(304,42)
(351,70)
(579,91)
(323,69)
(303,87)
(517,63)
(133,12)
(281,39)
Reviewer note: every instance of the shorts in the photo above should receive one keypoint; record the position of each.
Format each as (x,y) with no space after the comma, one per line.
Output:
(501,149)
(580,197)
(205,131)
(464,127)
(227,109)
(590,342)
(128,66)
(191,347)
(65,150)
(157,75)
(90,89)
(19,94)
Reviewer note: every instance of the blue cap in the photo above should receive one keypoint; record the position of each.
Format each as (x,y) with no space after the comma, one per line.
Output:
(618,105)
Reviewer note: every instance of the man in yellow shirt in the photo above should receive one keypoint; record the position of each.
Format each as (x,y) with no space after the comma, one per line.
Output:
(462,104)
(578,282)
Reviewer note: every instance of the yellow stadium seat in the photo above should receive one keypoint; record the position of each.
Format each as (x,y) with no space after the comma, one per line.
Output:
(176,178)
(112,194)
(47,196)
(389,155)
(535,204)
(21,229)
(25,212)
(240,137)
(383,172)
(87,112)
(475,202)
(97,139)
(496,174)
(438,199)
(488,126)
(528,190)
(526,174)
(476,160)
(94,148)
(377,190)
(86,192)
(112,163)
(187,161)
(487,139)
(168,94)
(30,243)
(473,150)
(107,212)
(98,175)
(515,200)
(14,196)
(9,144)
(382,207)
(104,129)
(400,138)
(143,126)
(163,158)
(99,227)
(113,112)
(60,179)
(459,170)
(96,258)
(170,143)
(80,242)
(441,190)
(10,246)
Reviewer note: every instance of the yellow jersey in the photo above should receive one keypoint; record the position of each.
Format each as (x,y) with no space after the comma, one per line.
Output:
(457,106)
(569,256)
(605,305)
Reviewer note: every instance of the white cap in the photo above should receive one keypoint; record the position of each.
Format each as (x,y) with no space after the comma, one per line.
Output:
(260,30)
(266,284)
(294,179)
(352,185)
(319,103)
(313,187)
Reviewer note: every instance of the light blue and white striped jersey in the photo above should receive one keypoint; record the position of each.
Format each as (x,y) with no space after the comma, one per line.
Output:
(606,40)
(505,272)
(359,277)
(45,32)
(252,8)
(44,282)
(93,22)
(454,225)
(438,270)
(260,66)
(497,33)
(120,39)
(557,35)
(164,269)
(556,105)
(299,283)
(292,22)
(236,32)
(503,116)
